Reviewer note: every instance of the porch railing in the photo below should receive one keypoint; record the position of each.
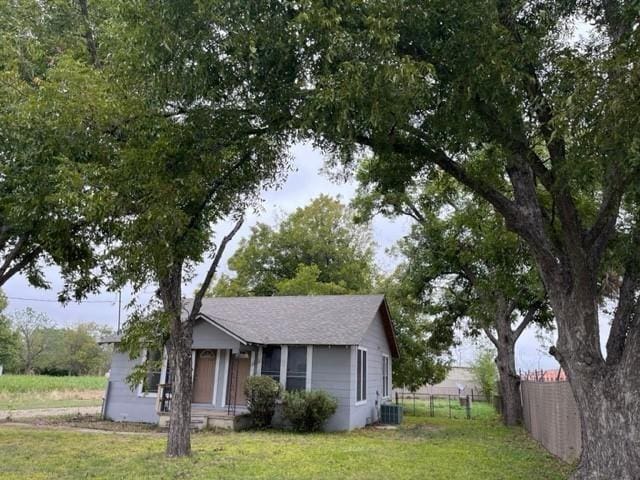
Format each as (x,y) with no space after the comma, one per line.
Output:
(164,398)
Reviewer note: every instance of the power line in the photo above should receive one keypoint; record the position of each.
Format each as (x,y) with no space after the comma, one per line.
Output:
(56,301)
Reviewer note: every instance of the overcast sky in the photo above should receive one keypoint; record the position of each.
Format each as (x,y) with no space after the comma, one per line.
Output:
(303,184)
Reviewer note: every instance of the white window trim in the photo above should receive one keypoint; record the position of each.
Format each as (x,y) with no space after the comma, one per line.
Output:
(307,385)
(163,372)
(355,391)
(388,396)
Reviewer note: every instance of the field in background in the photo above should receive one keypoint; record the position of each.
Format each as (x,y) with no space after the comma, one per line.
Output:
(19,392)
(423,447)
(445,407)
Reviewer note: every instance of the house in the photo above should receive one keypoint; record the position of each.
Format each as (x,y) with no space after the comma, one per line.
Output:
(342,344)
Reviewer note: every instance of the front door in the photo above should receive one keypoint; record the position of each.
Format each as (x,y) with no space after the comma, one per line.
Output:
(203,376)
(240,371)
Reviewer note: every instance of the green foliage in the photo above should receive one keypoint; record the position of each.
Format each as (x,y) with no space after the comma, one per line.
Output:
(8,339)
(56,119)
(306,282)
(461,263)
(485,373)
(261,393)
(308,411)
(316,250)
(424,349)
(44,349)
(31,327)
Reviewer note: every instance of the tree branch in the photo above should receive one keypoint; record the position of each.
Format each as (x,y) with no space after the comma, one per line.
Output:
(89,36)
(491,336)
(197,301)
(600,233)
(624,314)
(528,318)
(18,266)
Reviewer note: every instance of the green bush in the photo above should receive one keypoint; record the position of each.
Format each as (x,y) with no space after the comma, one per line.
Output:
(262,393)
(307,411)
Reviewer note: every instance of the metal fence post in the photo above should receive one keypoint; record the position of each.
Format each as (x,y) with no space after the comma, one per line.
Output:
(468,408)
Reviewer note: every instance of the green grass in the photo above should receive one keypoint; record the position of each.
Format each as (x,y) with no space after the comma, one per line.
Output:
(22,392)
(43,383)
(479,410)
(434,448)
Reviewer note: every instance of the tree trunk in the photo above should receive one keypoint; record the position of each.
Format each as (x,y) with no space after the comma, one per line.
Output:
(607,394)
(610,423)
(509,384)
(180,342)
(505,343)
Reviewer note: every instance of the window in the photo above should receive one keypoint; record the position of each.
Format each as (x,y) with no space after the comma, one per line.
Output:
(296,368)
(154,371)
(385,376)
(361,376)
(271,362)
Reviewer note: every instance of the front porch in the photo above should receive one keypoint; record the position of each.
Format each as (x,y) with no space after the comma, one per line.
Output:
(218,377)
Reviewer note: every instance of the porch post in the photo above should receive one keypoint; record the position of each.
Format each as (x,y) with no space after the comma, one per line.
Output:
(284,353)
(309,367)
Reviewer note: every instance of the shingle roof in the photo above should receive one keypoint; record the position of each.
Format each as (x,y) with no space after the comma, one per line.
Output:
(291,320)
(306,320)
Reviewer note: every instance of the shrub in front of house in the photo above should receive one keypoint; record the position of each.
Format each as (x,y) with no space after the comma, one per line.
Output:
(308,411)
(261,393)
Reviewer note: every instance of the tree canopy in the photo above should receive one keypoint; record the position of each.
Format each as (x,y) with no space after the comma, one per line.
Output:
(318,249)
(507,99)
(56,125)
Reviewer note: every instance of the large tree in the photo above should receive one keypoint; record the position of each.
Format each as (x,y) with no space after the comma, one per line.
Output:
(130,130)
(56,120)
(208,96)
(466,270)
(31,327)
(318,249)
(509,100)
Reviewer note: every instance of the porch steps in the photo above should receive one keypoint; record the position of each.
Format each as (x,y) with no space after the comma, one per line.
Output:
(203,419)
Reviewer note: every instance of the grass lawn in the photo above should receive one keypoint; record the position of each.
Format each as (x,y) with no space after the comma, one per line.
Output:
(19,392)
(434,448)
(443,407)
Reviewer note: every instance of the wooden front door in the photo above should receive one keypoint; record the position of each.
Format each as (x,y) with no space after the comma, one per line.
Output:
(239,373)
(203,376)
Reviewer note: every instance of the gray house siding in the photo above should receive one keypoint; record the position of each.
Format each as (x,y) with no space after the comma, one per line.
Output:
(206,335)
(376,344)
(333,369)
(123,404)
(331,372)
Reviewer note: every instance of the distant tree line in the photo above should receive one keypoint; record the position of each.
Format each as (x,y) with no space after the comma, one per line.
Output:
(31,344)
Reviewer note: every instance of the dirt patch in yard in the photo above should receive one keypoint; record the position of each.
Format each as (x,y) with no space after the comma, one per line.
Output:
(86,421)
(38,413)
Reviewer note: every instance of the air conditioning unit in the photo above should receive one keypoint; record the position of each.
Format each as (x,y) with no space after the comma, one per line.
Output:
(391,414)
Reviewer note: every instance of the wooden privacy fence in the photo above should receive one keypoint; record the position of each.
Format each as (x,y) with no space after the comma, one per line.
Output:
(551,417)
